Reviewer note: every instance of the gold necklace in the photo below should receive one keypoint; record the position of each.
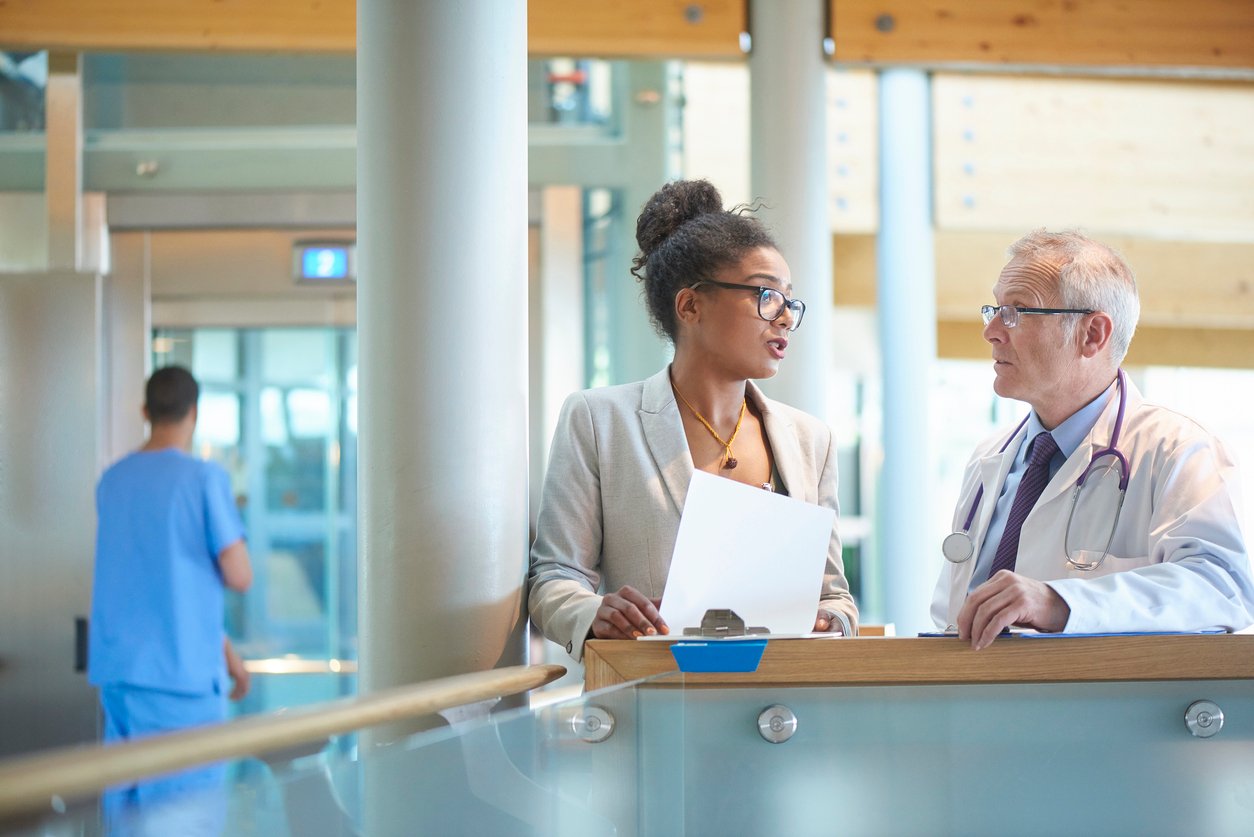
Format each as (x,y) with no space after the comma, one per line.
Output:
(729,461)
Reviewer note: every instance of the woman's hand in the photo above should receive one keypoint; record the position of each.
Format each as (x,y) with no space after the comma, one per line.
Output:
(628,614)
(826,622)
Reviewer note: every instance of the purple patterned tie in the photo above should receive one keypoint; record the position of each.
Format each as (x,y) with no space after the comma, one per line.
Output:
(1034,480)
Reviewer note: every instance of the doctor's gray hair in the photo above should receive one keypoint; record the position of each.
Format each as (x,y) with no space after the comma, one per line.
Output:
(1090,275)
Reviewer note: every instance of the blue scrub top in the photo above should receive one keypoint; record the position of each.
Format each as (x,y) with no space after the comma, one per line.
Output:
(157,602)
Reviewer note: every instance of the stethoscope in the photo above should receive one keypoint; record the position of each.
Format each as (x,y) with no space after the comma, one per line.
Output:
(958,546)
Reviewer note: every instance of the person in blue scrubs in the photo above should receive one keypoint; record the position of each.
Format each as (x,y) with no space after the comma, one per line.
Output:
(169,542)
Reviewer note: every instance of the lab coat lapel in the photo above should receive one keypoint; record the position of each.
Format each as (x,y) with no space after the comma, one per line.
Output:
(1072,468)
(993,471)
(664,432)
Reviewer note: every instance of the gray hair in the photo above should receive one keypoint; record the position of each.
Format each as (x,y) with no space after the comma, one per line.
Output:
(1090,275)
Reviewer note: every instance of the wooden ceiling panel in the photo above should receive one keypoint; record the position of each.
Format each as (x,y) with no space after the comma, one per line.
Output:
(187,25)
(1062,33)
(636,28)
(604,28)
(1068,33)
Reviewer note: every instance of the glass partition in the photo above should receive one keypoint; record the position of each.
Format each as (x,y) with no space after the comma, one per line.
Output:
(278,411)
(23,76)
(1024,759)
(659,757)
(573,767)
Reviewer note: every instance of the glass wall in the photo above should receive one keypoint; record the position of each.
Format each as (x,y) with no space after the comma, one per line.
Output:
(23,76)
(278,410)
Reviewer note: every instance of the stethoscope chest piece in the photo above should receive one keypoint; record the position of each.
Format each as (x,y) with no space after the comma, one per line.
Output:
(958,547)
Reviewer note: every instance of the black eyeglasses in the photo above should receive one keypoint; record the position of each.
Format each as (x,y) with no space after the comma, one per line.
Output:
(1010,313)
(771,303)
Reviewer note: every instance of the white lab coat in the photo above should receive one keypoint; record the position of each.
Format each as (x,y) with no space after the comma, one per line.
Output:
(1178,560)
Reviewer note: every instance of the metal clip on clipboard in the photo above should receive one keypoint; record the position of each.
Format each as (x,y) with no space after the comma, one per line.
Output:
(697,655)
(719,622)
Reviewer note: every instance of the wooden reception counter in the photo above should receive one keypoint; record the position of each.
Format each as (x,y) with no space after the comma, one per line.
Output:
(919,661)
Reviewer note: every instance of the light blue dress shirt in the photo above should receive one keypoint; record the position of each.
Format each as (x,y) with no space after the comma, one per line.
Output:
(1068,437)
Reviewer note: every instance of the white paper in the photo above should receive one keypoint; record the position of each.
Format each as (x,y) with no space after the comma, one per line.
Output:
(756,552)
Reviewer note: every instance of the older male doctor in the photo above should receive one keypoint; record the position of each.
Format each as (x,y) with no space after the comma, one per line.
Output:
(1152,540)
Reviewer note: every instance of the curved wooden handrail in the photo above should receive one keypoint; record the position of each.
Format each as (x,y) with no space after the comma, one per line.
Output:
(28,784)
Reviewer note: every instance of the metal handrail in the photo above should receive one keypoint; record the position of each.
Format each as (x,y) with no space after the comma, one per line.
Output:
(29,784)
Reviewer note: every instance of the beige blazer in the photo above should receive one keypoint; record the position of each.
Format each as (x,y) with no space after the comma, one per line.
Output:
(618,474)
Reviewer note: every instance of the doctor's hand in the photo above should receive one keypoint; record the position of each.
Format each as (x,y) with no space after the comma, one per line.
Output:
(1010,599)
(628,614)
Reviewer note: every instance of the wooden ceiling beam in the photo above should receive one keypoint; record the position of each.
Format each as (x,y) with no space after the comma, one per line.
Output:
(183,26)
(597,28)
(1066,33)
(1056,33)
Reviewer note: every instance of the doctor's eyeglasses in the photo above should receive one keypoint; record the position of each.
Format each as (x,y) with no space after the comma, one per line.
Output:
(771,303)
(1010,314)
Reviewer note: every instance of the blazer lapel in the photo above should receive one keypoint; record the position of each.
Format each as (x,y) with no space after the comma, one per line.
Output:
(664,432)
(785,448)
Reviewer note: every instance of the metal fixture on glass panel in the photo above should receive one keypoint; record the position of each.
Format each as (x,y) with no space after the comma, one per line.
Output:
(593,724)
(777,723)
(147,168)
(1204,718)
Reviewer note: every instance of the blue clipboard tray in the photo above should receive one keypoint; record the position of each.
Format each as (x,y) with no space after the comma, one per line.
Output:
(700,655)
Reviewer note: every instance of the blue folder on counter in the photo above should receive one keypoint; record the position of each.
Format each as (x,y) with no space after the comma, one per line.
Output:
(718,655)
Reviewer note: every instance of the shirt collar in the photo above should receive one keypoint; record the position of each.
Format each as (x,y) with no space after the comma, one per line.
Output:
(1072,432)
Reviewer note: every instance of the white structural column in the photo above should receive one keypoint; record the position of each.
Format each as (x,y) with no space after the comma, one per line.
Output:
(788,143)
(442,319)
(906,285)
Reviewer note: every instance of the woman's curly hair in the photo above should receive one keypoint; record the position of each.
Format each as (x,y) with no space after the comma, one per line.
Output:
(685,237)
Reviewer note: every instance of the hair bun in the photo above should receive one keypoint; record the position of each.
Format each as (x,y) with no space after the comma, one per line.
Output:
(670,208)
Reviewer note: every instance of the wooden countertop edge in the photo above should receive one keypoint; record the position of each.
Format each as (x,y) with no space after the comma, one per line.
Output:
(882,661)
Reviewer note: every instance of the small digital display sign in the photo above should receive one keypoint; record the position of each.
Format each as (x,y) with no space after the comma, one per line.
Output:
(324,262)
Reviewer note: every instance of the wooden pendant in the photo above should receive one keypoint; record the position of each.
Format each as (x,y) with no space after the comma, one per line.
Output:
(730,463)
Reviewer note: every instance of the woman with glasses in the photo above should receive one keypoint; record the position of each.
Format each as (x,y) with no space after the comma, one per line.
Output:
(717,287)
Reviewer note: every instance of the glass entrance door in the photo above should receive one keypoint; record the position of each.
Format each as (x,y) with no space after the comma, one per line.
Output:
(278,410)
